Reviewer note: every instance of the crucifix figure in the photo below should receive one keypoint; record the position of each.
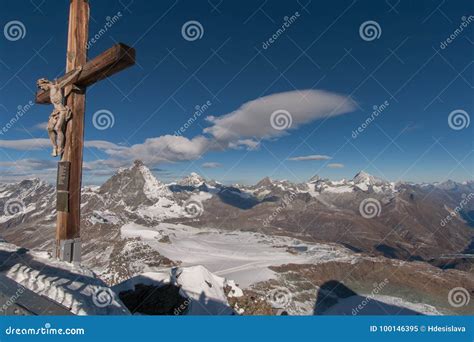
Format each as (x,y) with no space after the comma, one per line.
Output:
(67,120)
(61,113)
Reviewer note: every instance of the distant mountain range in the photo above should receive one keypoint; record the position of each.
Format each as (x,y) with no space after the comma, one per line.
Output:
(407,222)
(366,217)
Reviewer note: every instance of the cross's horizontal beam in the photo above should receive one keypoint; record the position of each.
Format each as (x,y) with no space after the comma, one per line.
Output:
(111,61)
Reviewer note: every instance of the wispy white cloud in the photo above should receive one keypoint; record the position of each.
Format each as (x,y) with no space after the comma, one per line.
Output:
(335,166)
(211,165)
(103,145)
(253,120)
(17,170)
(28,164)
(167,148)
(242,128)
(41,126)
(311,157)
(25,144)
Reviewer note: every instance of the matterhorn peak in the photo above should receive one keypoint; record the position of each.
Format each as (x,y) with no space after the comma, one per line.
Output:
(145,171)
(135,184)
(138,163)
(140,166)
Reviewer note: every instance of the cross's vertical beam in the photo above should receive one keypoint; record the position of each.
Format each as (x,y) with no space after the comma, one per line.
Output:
(68,223)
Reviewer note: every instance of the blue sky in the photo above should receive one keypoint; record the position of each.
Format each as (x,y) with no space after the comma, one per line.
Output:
(318,67)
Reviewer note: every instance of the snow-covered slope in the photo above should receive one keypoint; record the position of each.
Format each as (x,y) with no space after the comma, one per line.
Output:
(204,292)
(241,256)
(79,289)
(76,288)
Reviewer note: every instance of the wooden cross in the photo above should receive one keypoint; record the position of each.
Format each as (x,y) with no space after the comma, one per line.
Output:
(106,64)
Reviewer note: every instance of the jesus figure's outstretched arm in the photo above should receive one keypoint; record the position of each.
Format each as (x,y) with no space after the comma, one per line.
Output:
(69,79)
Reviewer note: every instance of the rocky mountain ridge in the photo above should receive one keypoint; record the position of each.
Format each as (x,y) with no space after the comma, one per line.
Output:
(133,224)
(408,218)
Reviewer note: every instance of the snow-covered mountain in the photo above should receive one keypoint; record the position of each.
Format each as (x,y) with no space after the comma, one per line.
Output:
(135,195)
(135,224)
(193,180)
(134,186)
(187,290)
(362,181)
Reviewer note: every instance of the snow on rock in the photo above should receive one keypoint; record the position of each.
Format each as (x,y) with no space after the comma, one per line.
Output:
(364,177)
(311,190)
(105,216)
(365,181)
(153,188)
(362,181)
(337,189)
(362,186)
(75,287)
(203,290)
(235,291)
(161,209)
(165,208)
(194,180)
(201,196)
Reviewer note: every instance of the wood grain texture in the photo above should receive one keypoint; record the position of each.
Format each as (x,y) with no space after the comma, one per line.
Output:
(68,223)
(111,61)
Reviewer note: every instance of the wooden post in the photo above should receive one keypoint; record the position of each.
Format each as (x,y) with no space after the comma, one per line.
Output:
(68,223)
(69,182)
